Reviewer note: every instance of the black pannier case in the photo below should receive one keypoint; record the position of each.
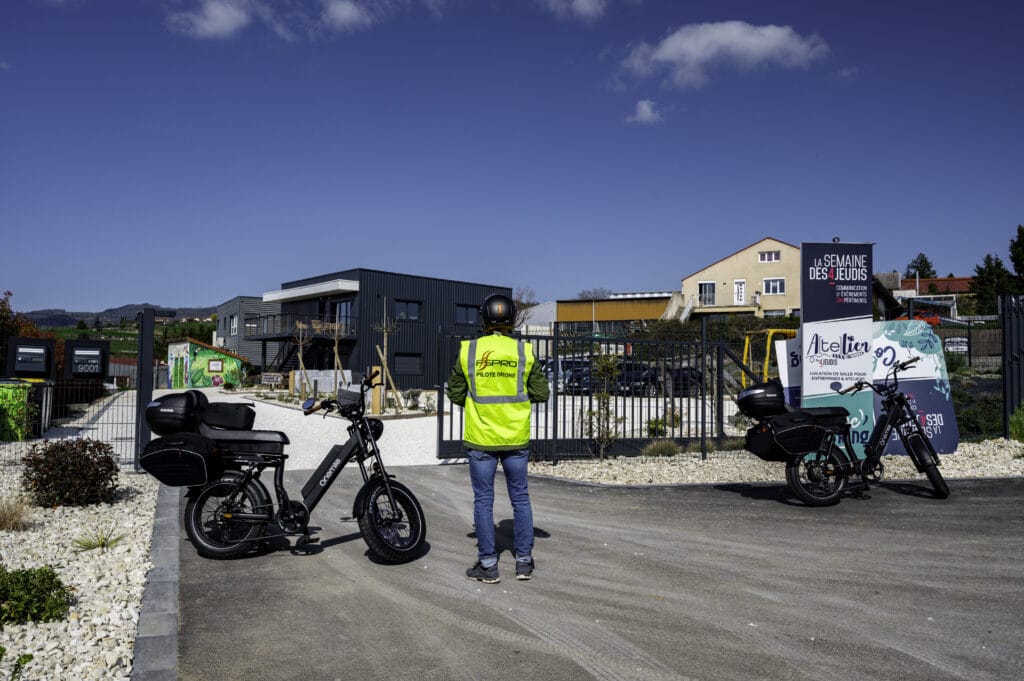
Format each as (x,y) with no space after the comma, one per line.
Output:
(182,460)
(229,415)
(173,413)
(798,432)
(762,400)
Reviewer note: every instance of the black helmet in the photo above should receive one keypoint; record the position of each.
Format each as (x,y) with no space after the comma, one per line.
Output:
(498,312)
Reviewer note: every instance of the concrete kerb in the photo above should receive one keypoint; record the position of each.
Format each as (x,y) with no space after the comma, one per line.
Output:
(156,641)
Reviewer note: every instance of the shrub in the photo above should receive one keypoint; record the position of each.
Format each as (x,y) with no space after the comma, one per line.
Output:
(70,473)
(13,514)
(659,427)
(32,595)
(1017,425)
(955,361)
(19,663)
(661,448)
(101,539)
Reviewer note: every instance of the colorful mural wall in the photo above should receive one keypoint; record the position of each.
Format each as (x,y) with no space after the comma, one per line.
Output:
(194,364)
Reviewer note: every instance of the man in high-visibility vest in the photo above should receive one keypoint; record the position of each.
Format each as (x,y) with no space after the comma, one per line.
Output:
(496,379)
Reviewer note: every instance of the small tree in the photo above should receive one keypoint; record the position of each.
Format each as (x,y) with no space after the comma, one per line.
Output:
(991,279)
(598,293)
(921,267)
(524,298)
(603,423)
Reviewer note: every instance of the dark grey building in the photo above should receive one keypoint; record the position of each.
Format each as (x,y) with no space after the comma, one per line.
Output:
(231,333)
(351,310)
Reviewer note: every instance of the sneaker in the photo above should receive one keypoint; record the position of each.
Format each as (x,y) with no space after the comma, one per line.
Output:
(487,575)
(524,569)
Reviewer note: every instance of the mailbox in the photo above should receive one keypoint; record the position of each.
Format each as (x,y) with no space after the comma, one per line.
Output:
(31,357)
(86,359)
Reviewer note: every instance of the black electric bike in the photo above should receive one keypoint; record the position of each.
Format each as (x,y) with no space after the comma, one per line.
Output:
(899,416)
(815,442)
(226,516)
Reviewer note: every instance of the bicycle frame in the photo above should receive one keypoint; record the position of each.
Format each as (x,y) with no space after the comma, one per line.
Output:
(358,447)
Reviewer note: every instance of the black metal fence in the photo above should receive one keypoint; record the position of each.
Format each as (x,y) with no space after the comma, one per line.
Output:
(614,396)
(34,411)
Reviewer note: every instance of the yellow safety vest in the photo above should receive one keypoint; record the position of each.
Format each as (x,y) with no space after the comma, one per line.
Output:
(497,405)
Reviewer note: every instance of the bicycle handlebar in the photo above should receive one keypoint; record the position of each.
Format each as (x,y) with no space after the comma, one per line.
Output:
(860,385)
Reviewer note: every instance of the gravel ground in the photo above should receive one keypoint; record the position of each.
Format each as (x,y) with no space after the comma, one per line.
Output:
(988,459)
(96,642)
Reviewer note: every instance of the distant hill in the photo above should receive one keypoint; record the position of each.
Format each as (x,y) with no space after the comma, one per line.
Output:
(114,315)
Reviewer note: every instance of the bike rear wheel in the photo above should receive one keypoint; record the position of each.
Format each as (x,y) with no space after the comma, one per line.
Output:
(817,479)
(926,462)
(392,538)
(215,536)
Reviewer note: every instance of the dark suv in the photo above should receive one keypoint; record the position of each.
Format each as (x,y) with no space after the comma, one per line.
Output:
(684,382)
(638,380)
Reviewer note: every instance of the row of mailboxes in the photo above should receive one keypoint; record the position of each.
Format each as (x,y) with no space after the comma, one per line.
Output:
(36,358)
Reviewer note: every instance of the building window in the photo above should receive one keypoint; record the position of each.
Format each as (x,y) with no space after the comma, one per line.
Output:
(250,326)
(739,292)
(706,293)
(467,314)
(775,287)
(769,256)
(408,363)
(233,321)
(407,309)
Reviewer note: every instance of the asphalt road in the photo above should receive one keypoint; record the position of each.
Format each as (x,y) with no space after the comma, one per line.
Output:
(684,582)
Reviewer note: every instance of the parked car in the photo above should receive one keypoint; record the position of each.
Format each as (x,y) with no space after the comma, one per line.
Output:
(631,378)
(558,370)
(685,382)
(638,380)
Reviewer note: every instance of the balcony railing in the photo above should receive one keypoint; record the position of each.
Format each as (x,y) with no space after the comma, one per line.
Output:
(308,326)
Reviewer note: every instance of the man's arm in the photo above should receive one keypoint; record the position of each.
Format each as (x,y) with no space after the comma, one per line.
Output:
(457,386)
(537,384)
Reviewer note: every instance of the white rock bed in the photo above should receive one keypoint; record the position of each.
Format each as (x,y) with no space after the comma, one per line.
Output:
(988,459)
(97,639)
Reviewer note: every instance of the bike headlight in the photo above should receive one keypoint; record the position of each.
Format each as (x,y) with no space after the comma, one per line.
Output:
(376,427)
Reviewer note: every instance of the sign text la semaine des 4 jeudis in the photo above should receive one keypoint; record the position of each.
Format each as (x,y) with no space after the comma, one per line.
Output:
(836,306)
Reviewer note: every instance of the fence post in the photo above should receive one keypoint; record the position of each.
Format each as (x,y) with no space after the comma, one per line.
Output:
(1013,367)
(704,400)
(556,393)
(144,386)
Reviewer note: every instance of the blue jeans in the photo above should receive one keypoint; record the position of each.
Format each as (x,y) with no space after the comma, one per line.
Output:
(482,469)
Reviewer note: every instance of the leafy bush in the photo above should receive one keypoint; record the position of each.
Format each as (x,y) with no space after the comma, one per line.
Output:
(661,448)
(13,514)
(955,361)
(70,473)
(659,427)
(32,595)
(19,663)
(1017,425)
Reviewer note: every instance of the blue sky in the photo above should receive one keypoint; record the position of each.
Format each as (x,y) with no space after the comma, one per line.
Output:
(182,152)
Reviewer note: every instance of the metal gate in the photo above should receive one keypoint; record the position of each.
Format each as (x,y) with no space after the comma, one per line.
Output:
(109,409)
(1012,308)
(611,396)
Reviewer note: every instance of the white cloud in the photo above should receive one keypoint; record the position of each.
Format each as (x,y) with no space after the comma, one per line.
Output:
(646,113)
(849,72)
(346,15)
(587,10)
(688,53)
(213,19)
(4,66)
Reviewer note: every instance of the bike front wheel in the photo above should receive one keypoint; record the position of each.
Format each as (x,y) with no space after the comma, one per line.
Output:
(817,479)
(927,463)
(393,537)
(208,523)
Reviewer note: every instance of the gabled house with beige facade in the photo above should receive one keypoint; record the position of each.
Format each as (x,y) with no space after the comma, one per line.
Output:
(762,279)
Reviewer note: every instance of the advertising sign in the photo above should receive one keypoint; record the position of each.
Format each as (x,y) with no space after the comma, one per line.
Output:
(926,383)
(836,333)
